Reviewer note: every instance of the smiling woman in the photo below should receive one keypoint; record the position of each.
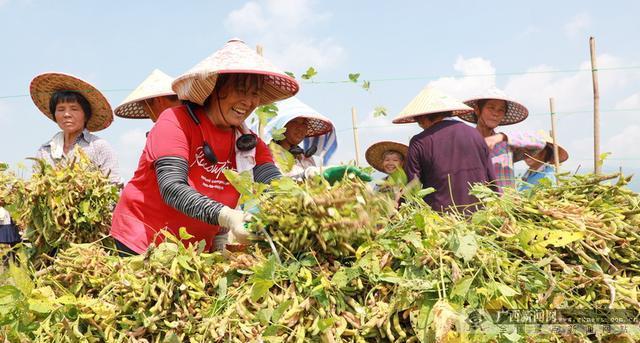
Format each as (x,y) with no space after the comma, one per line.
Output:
(180,180)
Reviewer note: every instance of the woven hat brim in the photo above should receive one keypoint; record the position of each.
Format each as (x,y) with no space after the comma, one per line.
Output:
(564,155)
(374,154)
(316,126)
(412,118)
(516,112)
(197,87)
(44,85)
(136,109)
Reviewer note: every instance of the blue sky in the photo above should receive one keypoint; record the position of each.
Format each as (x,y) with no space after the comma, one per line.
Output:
(116,44)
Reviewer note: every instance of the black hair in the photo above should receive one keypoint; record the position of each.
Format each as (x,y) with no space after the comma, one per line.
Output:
(70,96)
(242,82)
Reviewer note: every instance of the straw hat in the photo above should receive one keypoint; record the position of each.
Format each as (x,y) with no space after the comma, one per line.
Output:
(293,108)
(516,112)
(157,84)
(430,101)
(375,153)
(44,85)
(562,152)
(235,57)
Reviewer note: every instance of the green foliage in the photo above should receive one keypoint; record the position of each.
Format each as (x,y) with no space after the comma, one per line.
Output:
(309,74)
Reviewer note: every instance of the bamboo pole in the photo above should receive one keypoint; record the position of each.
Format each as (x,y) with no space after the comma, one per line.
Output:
(596,108)
(260,126)
(354,121)
(554,132)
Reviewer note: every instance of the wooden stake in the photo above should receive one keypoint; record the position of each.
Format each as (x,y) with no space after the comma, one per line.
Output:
(556,158)
(260,127)
(596,108)
(354,121)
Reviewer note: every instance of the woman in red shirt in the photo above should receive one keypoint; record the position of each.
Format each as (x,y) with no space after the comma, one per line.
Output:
(180,181)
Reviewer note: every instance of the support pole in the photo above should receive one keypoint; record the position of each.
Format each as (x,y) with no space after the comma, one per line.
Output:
(554,132)
(354,121)
(596,108)
(260,127)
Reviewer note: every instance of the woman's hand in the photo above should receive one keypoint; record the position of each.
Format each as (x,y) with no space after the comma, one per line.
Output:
(234,221)
(495,139)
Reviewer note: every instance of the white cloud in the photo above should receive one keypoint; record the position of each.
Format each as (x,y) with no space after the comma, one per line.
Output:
(625,143)
(247,19)
(4,113)
(530,30)
(478,74)
(577,24)
(286,41)
(630,102)
(372,130)
(130,147)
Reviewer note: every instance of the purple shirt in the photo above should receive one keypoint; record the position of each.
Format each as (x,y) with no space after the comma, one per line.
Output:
(449,153)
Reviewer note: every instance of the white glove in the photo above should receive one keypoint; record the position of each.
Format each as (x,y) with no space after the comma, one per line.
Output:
(234,221)
(220,241)
(311,172)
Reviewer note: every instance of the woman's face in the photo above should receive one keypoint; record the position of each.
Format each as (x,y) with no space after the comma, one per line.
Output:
(236,105)
(391,162)
(70,117)
(296,131)
(492,113)
(534,161)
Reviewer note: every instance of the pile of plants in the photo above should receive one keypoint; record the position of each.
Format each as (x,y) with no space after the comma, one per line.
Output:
(346,266)
(68,203)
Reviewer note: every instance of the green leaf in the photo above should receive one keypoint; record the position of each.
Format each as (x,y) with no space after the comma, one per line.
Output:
(290,74)
(280,310)
(366,85)
(343,276)
(467,247)
(278,134)
(462,287)
(354,77)
(21,278)
(324,324)
(271,330)
(413,238)
(380,111)
(183,234)
(284,159)
(264,315)
(260,288)
(309,74)
(265,113)
(265,271)
(505,290)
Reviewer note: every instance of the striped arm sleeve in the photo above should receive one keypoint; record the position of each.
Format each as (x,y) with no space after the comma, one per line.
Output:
(266,173)
(176,192)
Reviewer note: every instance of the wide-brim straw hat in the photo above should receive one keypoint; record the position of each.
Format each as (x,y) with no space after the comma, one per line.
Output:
(293,108)
(516,112)
(197,84)
(375,153)
(430,101)
(157,84)
(562,152)
(44,85)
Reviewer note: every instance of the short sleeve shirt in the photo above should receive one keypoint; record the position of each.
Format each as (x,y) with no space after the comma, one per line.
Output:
(141,212)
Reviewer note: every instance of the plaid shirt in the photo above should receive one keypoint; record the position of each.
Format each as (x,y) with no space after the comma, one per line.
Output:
(505,153)
(98,150)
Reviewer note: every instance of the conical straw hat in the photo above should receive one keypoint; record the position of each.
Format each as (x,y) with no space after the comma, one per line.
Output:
(562,152)
(44,85)
(197,84)
(430,101)
(375,153)
(157,84)
(516,112)
(292,108)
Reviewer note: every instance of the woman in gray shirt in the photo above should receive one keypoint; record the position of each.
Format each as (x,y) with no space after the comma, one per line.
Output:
(78,108)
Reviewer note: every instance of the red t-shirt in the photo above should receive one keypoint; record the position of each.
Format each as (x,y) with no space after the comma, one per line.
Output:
(141,212)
